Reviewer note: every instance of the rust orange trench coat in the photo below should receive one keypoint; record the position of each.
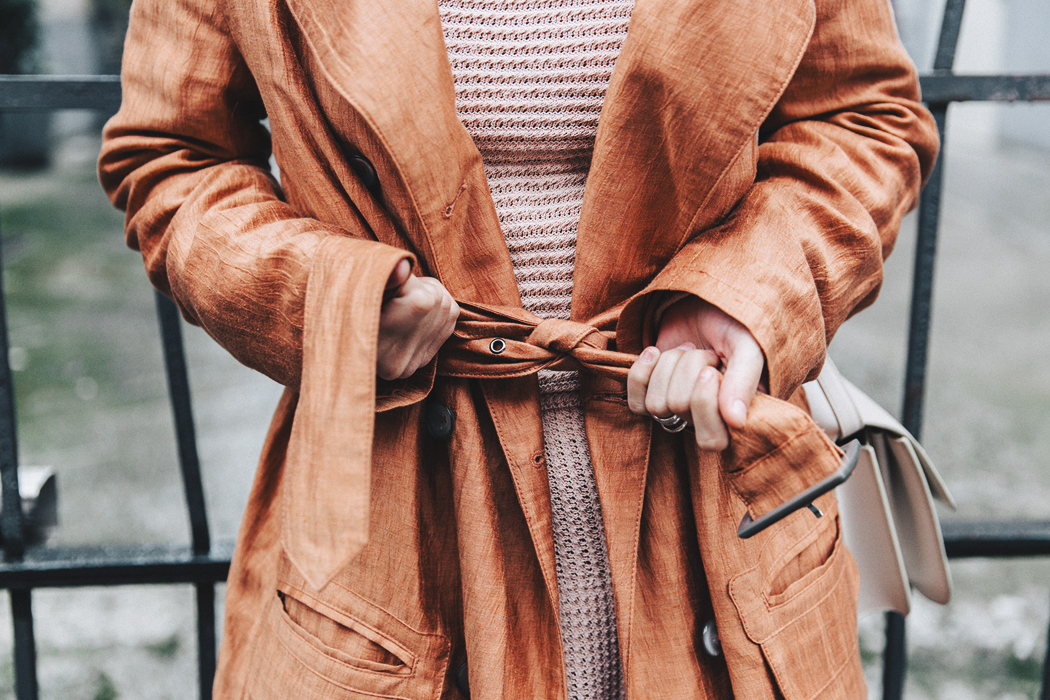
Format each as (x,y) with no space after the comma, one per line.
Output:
(757,154)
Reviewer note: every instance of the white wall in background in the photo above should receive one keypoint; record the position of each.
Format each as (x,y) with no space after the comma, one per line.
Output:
(998,36)
(1027,50)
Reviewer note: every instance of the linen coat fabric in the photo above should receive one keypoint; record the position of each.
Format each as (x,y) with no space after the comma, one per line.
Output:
(759,155)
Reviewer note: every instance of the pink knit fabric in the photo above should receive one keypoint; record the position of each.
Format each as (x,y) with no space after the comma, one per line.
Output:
(530,80)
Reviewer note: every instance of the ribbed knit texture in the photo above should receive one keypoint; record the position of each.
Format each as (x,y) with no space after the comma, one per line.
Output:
(530,80)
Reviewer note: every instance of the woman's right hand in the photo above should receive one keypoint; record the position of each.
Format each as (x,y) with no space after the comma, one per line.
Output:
(418,315)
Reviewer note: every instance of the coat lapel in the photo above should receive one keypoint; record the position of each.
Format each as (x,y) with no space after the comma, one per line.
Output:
(684,102)
(693,83)
(388,61)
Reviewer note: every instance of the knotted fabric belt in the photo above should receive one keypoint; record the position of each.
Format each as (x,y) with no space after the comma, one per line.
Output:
(500,341)
(505,342)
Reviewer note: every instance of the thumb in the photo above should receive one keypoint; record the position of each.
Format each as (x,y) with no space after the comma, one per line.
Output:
(397,278)
(742,376)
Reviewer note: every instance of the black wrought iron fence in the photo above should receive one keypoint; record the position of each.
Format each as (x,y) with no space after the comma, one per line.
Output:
(27,567)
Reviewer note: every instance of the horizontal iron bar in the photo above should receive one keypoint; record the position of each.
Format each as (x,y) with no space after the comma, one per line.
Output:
(52,567)
(38,93)
(941,87)
(102,92)
(44,92)
(993,538)
(118,565)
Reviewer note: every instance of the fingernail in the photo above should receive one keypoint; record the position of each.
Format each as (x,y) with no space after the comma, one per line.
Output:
(739,411)
(648,355)
(687,346)
(708,374)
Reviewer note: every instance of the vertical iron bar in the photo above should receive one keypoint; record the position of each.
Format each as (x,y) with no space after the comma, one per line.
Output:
(951,22)
(12,526)
(1044,693)
(206,647)
(189,463)
(895,653)
(25,644)
(922,289)
(179,391)
(894,657)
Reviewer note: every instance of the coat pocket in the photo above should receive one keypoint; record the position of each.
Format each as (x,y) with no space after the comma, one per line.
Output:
(311,649)
(803,614)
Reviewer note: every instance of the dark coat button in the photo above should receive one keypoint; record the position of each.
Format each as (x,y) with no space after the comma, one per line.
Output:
(439,420)
(463,680)
(712,644)
(365,172)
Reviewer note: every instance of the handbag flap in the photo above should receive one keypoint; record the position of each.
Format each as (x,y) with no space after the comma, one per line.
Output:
(889,520)
(918,528)
(841,409)
(875,416)
(869,533)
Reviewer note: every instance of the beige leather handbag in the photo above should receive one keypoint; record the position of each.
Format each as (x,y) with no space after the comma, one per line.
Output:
(889,521)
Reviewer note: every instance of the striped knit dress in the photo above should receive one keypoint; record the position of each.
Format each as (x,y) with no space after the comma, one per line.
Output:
(530,80)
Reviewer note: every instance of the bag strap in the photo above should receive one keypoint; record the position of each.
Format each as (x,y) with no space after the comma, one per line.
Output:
(831,403)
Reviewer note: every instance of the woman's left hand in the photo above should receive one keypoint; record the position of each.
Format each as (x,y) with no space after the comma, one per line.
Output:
(681,375)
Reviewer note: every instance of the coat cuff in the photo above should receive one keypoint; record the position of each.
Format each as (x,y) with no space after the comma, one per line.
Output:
(790,357)
(325,487)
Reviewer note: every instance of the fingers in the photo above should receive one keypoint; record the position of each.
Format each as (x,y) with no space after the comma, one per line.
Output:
(682,381)
(711,433)
(670,385)
(656,394)
(660,384)
(685,381)
(413,325)
(443,323)
(638,380)
(397,278)
(689,387)
(743,374)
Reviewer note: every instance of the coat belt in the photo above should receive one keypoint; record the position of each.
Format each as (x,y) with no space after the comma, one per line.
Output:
(502,341)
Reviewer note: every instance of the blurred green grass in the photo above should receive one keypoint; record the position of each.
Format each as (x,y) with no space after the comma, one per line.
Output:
(78,308)
(89,385)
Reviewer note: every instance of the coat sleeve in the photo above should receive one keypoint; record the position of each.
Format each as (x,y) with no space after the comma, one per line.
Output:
(187,158)
(841,158)
(297,299)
